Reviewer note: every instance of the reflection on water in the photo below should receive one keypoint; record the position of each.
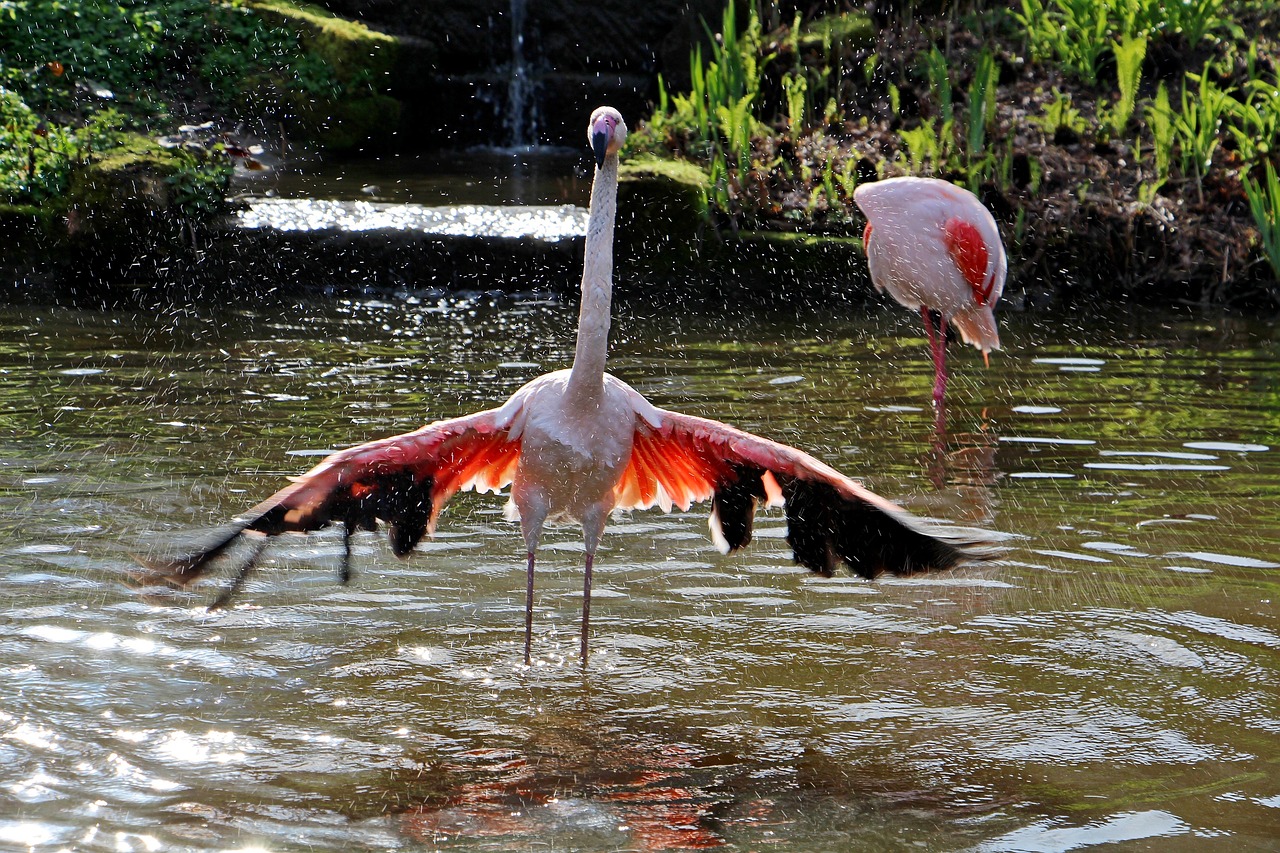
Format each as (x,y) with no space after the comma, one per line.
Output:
(1112,681)
(546,222)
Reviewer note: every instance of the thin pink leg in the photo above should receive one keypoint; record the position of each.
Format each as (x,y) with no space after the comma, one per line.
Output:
(938,347)
(528,612)
(586,606)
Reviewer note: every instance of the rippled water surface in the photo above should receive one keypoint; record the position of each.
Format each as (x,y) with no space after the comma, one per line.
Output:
(1113,681)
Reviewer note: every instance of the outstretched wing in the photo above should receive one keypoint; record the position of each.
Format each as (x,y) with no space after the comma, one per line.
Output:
(830,518)
(404,481)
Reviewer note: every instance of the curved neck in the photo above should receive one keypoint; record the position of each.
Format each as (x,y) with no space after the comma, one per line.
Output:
(587,377)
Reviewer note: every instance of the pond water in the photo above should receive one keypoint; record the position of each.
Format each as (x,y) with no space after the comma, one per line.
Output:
(1113,681)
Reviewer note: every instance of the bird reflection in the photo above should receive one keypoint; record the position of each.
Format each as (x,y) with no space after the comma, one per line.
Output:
(962,468)
(575,775)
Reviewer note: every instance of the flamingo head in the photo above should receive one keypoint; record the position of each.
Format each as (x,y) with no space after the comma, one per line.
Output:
(606,132)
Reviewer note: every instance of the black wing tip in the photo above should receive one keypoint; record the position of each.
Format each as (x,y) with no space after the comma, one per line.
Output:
(184,567)
(826,528)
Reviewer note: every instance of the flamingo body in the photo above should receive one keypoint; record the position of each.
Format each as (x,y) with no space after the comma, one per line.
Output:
(577,445)
(934,247)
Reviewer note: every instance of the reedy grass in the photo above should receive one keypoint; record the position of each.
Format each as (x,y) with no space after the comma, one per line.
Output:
(957,134)
(1129,53)
(1197,125)
(1264,204)
(1160,118)
(1077,33)
(1255,122)
(981,116)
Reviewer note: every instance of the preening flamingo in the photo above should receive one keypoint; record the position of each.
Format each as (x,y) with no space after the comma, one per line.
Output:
(936,248)
(577,444)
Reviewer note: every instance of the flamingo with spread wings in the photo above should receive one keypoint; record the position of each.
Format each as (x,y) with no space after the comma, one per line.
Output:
(936,249)
(578,444)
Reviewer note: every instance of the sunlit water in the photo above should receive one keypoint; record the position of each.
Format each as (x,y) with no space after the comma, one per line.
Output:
(551,223)
(1112,681)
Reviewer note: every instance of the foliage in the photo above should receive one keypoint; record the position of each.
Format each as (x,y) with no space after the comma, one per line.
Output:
(1060,113)
(72,71)
(718,114)
(36,156)
(1197,125)
(1077,33)
(199,184)
(776,152)
(136,46)
(982,115)
(1264,204)
(1160,118)
(1254,123)
(1129,53)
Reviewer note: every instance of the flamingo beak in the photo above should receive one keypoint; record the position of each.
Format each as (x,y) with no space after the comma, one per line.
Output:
(600,143)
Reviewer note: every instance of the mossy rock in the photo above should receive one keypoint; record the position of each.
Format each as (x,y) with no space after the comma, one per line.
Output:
(799,261)
(355,52)
(662,209)
(123,192)
(350,122)
(363,62)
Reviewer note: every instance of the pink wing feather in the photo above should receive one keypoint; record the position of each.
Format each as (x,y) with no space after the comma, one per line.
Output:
(404,480)
(830,518)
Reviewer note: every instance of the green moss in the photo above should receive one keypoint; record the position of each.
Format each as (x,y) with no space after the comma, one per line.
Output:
(356,53)
(662,208)
(124,193)
(135,152)
(362,61)
(348,122)
(679,171)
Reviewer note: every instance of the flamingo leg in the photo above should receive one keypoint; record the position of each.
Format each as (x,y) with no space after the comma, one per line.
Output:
(586,605)
(938,347)
(528,611)
(344,571)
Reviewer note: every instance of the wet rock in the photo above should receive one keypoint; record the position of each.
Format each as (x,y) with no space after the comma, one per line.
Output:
(662,212)
(364,62)
(120,206)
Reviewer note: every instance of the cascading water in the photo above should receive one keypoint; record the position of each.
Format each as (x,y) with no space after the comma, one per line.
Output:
(521,115)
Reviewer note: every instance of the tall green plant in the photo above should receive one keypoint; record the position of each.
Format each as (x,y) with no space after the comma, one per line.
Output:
(1129,53)
(981,115)
(795,85)
(1254,123)
(1076,33)
(1197,125)
(719,112)
(1264,204)
(939,76)
(1160,119)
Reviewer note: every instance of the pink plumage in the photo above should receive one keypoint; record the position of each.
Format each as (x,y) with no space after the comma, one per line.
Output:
(934,247)
(578,444)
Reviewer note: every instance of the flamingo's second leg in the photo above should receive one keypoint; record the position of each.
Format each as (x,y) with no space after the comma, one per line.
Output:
(938,347)
(586,605)
(593,522)
(531,503)
(528,611)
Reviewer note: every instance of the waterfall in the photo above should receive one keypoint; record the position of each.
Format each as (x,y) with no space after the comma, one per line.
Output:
(521,112)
